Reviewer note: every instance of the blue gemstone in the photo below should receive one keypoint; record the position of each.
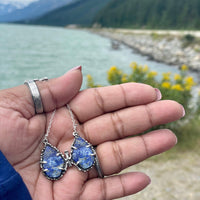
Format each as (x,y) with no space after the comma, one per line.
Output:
(82,154)
(53,162)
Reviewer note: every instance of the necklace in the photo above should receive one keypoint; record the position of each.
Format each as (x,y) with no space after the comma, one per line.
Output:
(54,164)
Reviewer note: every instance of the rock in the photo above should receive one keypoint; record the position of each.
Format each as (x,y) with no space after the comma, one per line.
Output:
(167,49)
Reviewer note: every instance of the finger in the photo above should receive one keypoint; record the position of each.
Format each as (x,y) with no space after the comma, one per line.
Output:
(94,102)
(118,155)
(115,186)
(131,121)
(54,93)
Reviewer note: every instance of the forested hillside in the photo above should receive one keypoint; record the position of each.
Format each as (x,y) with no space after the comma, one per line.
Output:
(18,12)
(156,14)
(81,12)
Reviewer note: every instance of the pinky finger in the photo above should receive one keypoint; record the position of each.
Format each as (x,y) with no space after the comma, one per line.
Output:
(115,186)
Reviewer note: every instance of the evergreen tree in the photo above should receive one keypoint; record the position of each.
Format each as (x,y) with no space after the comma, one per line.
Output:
(163,14)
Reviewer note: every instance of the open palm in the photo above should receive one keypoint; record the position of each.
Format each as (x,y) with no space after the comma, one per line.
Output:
(107,117)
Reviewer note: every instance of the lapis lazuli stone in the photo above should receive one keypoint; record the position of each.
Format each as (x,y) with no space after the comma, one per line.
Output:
(82,154)
(53,162)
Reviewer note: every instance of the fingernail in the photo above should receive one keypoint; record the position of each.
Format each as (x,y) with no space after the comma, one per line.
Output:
(176,141)
(149,181)
(183,112)
(76,68)
(158,94)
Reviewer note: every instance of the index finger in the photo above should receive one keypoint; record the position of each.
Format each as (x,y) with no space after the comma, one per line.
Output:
(94,102)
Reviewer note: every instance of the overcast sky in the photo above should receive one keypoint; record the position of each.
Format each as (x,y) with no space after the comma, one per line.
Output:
(14,2)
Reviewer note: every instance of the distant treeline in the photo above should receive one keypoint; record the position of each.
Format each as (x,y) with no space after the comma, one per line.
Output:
(80,12)
(154,14)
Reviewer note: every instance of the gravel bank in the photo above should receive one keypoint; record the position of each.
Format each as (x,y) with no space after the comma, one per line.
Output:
(162,46)
(174,179)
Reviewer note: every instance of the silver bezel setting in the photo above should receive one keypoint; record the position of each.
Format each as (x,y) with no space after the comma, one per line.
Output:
(66,161)
(75,164)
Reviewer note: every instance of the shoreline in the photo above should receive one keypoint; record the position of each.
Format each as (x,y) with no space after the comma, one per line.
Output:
(159,45)
(175,178)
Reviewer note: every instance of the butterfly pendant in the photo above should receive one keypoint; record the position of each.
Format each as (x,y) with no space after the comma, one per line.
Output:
(54,164)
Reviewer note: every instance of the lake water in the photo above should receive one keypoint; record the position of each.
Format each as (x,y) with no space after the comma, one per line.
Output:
(28,52)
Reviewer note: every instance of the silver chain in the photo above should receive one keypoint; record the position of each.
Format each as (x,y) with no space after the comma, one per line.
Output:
(75,133)
(49,126)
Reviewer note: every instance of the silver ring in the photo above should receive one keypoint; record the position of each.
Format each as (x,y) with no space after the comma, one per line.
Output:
(35,94)
(98,168)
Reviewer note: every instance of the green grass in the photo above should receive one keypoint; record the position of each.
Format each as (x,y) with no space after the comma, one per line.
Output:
(190,40)
(189,134)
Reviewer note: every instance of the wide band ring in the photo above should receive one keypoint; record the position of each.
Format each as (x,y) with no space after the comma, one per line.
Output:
(35,93)
(98,168)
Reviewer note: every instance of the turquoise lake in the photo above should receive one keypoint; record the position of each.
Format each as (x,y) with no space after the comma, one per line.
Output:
(28,52)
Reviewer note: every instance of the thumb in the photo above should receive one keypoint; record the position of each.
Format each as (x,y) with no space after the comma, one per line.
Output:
(54,93)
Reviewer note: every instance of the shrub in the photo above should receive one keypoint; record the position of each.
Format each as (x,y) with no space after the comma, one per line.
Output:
(176,87)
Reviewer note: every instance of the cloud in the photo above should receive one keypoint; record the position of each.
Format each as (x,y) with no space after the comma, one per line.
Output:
(17,2)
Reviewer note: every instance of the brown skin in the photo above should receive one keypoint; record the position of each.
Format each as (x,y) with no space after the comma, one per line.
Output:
(107,116)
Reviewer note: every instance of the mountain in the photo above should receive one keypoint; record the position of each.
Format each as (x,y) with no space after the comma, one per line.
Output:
(7,9)
(80,12)
(156,14)
(11,13)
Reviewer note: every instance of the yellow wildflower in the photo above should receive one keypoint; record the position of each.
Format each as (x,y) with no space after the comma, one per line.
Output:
(184,68)
(140,68)
(114,75)
(89,77)
(119,72)
(90,81)
(124,78)
(133,65)
(113,68)
(177,87)
(166,85)
(199,93)
(177,77)
(145,68)
(166,76)
(189,81)
(188,88)
(152,74)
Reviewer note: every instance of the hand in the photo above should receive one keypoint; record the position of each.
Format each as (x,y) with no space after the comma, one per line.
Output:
(107,118)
